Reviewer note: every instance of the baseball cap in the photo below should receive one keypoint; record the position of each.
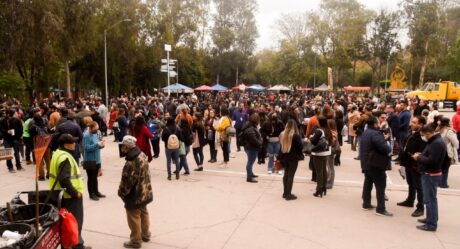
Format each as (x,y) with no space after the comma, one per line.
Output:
(67,139)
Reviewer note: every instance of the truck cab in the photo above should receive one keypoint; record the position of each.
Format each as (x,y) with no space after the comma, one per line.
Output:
(447,92)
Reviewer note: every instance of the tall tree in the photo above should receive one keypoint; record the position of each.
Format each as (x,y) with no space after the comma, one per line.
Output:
(382,38)
(234,34)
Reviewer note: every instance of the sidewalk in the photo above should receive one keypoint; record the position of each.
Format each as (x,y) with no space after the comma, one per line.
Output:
(218,209)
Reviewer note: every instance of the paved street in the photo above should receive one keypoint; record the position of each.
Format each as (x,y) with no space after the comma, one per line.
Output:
(218,209)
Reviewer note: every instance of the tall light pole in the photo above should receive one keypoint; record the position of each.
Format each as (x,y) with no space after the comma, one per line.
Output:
(168,49)
(105,59)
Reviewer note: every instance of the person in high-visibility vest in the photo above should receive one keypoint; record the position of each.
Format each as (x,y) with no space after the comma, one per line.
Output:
(64,169)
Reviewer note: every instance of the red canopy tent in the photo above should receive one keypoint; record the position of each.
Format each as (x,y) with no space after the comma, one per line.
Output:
(203,88)
(357,88)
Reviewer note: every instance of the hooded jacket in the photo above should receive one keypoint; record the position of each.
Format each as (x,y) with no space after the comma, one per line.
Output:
(135,187)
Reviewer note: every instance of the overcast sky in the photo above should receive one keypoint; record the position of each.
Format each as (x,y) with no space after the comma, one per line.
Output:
(270,10)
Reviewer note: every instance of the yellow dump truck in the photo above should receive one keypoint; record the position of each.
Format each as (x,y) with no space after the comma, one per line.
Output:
(447,92)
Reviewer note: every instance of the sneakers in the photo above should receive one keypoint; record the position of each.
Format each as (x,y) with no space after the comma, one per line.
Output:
(280,172)
(270,172)
(130,244)
(418,213)
(405,204)
(384,213)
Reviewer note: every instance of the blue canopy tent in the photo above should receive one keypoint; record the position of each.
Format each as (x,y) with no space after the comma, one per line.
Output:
(219,87)
(177,88)
(257,87)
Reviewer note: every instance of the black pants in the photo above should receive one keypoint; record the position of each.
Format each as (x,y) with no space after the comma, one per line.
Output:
(93,185)
(378,178)
(212,150)
(320,163)
(75,206)
(262,153)
(155,146)
(290,167)
(238,144)
(198,155)
(414,180)
(225,151)
(311,165)
(28,142)
(15,145)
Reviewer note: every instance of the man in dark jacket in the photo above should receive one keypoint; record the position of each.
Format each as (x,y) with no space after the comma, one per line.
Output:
(252,144)
(136,192)
(373,140)
(404,122)
(12,130)
(71,127)
(393,122)
(240,117)
(431,163)
(412,145)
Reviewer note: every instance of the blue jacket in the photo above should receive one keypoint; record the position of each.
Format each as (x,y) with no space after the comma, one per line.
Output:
(404,121)
(240,118)
(91,149)
(372,140)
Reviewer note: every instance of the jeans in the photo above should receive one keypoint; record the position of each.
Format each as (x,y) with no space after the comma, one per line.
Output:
(212,150)
(272,150)
(15,145)
(198,155)
(414,180)
(290,167)
(183,161)
(320,163)
(169,155)
(252,156)
(444,180)
(430,185)
(378,178)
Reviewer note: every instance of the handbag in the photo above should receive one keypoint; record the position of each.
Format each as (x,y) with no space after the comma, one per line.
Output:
(210,135)
(182,149)
(306,147)
(378,160)
(278,165)
(89,165)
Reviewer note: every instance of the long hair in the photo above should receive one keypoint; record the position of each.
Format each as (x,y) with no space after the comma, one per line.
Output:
(325,127)
(139,123)
(286,136)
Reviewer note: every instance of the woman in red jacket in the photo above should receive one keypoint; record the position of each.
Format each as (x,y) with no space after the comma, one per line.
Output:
(143,136)
(113,117)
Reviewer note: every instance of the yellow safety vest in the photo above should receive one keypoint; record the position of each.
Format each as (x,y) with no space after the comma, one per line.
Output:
(59,156)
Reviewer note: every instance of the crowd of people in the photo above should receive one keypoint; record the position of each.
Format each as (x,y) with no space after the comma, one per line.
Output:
(281,129)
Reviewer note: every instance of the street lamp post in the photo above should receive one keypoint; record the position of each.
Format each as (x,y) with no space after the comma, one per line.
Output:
(105,59)
(386,74)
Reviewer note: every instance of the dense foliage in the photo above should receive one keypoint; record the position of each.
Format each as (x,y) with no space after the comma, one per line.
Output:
(60,44)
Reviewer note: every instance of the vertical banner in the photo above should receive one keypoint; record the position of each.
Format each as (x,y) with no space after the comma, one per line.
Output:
(330,81)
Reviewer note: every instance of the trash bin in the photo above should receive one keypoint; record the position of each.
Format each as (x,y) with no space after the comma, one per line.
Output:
(26,214)
(24,229)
